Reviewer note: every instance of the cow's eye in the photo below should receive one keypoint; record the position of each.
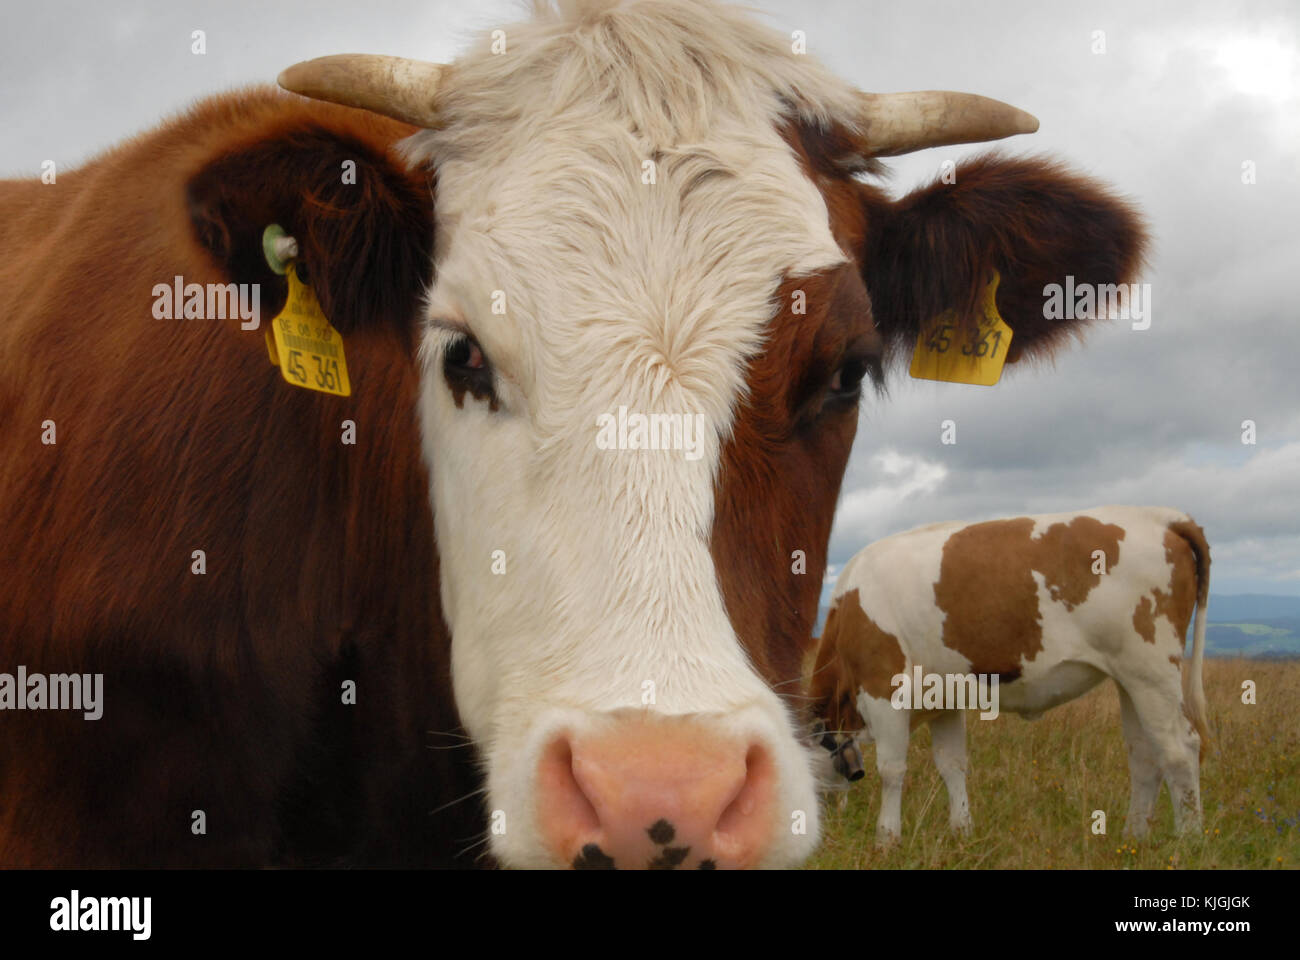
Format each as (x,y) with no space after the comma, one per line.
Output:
(847,383)
(466,368)
(466,355)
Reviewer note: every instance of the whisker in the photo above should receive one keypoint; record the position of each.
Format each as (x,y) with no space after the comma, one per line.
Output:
(452,803)
(449,733)
(477,843)
(784,682)
(825,666)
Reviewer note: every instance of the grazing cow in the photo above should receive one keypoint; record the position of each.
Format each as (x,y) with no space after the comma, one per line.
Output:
(650,213)
(1045,607)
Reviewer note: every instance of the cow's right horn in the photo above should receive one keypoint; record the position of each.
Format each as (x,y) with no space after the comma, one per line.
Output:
(897,123)
(393,86)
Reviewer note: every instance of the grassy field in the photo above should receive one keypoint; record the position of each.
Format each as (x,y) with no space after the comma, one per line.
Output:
(1034,784)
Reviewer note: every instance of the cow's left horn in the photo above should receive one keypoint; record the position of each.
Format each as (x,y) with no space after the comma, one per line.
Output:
(398,88)
(897,123)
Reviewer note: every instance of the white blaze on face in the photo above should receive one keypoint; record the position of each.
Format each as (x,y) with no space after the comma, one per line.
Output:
(578,580)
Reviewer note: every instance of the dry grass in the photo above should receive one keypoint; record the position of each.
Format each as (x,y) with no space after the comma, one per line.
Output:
(1034,784)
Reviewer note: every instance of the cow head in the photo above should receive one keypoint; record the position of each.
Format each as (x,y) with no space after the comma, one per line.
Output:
(847,661)
(659,285)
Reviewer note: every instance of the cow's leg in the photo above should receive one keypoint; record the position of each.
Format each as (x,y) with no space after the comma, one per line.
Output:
(1174,742)
(1143,770)
(891,730)
(948,741)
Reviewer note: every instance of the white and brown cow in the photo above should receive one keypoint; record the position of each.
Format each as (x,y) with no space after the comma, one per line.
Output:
(630,210)
(1048,605)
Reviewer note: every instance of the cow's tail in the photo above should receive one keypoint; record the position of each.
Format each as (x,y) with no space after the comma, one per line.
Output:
(1193,686)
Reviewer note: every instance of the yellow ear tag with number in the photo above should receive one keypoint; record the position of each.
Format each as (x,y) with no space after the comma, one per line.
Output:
(301,342)
(939,355)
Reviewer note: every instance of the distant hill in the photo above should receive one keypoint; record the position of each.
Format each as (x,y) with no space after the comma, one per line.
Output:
(1252,625)
(1252,606)
(1277,638)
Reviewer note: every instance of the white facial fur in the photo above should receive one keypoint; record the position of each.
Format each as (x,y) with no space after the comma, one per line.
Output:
(615,292)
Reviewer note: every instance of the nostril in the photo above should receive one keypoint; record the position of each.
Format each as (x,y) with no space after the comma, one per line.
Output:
(657,794)
(745,821)
(566,808)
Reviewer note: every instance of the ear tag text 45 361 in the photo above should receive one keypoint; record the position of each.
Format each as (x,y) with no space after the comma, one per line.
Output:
(303,344)
(940,355)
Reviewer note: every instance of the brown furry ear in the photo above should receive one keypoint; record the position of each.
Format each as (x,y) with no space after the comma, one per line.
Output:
(365,246)
(1030,219)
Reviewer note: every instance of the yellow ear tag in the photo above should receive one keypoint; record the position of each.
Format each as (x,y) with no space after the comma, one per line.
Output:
(939,355)
(301,342)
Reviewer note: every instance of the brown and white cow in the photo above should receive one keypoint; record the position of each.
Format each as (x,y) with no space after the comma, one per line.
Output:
(1036,610)
(653,206)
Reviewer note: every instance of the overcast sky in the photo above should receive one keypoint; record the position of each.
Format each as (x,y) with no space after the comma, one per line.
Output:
(1183,95)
